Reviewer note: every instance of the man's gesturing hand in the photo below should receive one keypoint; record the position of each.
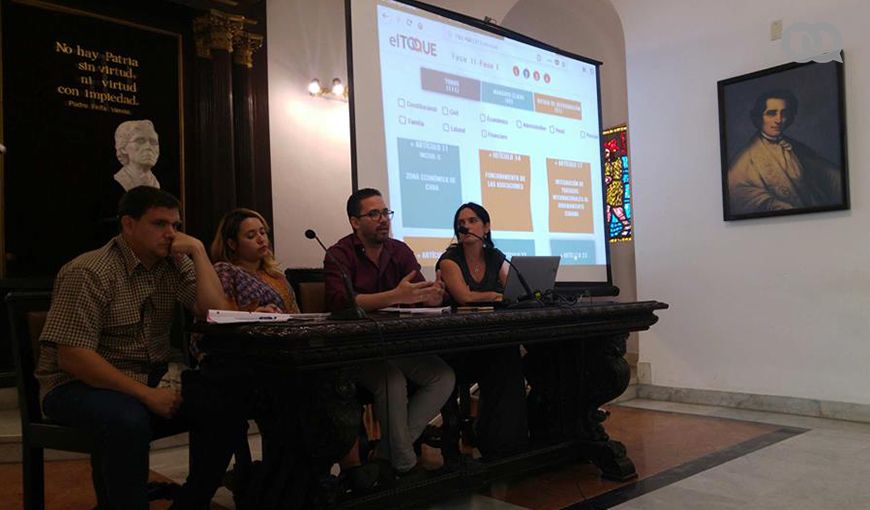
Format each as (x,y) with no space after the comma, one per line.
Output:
(408,292)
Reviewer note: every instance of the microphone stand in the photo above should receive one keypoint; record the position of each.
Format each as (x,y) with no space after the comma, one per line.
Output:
(531,299)
(353,311)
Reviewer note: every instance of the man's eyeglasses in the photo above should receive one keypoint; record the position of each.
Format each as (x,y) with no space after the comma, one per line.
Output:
(376,214)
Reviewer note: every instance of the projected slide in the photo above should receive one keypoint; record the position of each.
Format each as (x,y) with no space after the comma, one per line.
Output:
(447,113)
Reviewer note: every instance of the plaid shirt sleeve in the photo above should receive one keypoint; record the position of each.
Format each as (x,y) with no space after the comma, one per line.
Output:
(187,286)
(77,310)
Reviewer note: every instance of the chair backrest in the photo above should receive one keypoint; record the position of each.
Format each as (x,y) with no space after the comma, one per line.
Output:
(27,311)
(310,289)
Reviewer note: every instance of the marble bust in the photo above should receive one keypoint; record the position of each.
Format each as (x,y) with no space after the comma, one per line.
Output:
(137,148)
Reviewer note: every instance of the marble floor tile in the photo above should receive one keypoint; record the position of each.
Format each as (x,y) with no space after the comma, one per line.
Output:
(474,502)
(820,453)
(849,494)
(675,497)
(747,478)
(10,424)
(171,463)
(827,467)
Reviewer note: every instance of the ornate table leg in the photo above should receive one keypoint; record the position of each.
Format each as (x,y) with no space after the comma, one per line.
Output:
(605,376)
(451,425)
(570,381)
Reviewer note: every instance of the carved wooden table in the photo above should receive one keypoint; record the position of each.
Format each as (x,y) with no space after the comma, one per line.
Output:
(578,353)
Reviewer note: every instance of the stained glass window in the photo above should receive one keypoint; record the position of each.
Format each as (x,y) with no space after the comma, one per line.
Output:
(618,183)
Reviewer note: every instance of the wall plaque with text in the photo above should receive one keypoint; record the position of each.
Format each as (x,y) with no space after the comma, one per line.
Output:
(72,83)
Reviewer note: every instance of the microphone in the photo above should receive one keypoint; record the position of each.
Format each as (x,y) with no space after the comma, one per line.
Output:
(353,311)
(530,295)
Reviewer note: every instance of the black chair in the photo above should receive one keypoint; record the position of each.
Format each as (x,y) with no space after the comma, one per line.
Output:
(7,365)
(27,312)
(309,287)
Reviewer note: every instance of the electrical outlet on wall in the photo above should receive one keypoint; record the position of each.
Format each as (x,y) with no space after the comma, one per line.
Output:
(776,30)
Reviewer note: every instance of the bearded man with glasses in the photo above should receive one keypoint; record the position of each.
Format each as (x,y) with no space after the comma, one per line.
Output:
(384,272)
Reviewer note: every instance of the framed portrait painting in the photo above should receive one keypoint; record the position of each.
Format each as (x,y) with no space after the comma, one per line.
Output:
(782,138)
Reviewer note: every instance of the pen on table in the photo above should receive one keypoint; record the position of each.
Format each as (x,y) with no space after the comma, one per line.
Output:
(475,308)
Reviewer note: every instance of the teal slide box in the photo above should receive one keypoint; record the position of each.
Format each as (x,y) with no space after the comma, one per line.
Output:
(507,96)
(514,247)
(574,253)
(430,183)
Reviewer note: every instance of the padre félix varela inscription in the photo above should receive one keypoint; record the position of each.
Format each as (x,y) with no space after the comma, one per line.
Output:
(107,81)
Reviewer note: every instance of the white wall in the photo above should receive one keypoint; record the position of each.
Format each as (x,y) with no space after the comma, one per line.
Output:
(309,136)
(773,306)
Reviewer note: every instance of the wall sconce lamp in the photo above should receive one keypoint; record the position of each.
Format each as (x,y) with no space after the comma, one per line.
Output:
(337,91)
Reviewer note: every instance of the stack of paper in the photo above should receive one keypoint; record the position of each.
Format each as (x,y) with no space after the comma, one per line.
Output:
(233,316)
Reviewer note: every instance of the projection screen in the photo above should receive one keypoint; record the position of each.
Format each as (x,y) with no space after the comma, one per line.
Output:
(446,109)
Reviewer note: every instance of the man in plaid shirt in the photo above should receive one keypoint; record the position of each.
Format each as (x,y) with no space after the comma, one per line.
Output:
(105,346)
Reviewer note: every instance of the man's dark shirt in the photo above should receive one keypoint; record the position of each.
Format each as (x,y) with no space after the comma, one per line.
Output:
(395,262)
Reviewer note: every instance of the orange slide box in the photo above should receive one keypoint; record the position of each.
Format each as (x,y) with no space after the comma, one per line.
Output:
(558,106)
(505,180)
(570,199)
(428,249)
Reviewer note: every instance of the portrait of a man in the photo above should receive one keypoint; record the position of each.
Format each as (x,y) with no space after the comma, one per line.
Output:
(137,148)
(773,172)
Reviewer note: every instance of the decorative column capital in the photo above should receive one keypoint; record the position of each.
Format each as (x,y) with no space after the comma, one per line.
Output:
(216,31)
(244,46)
